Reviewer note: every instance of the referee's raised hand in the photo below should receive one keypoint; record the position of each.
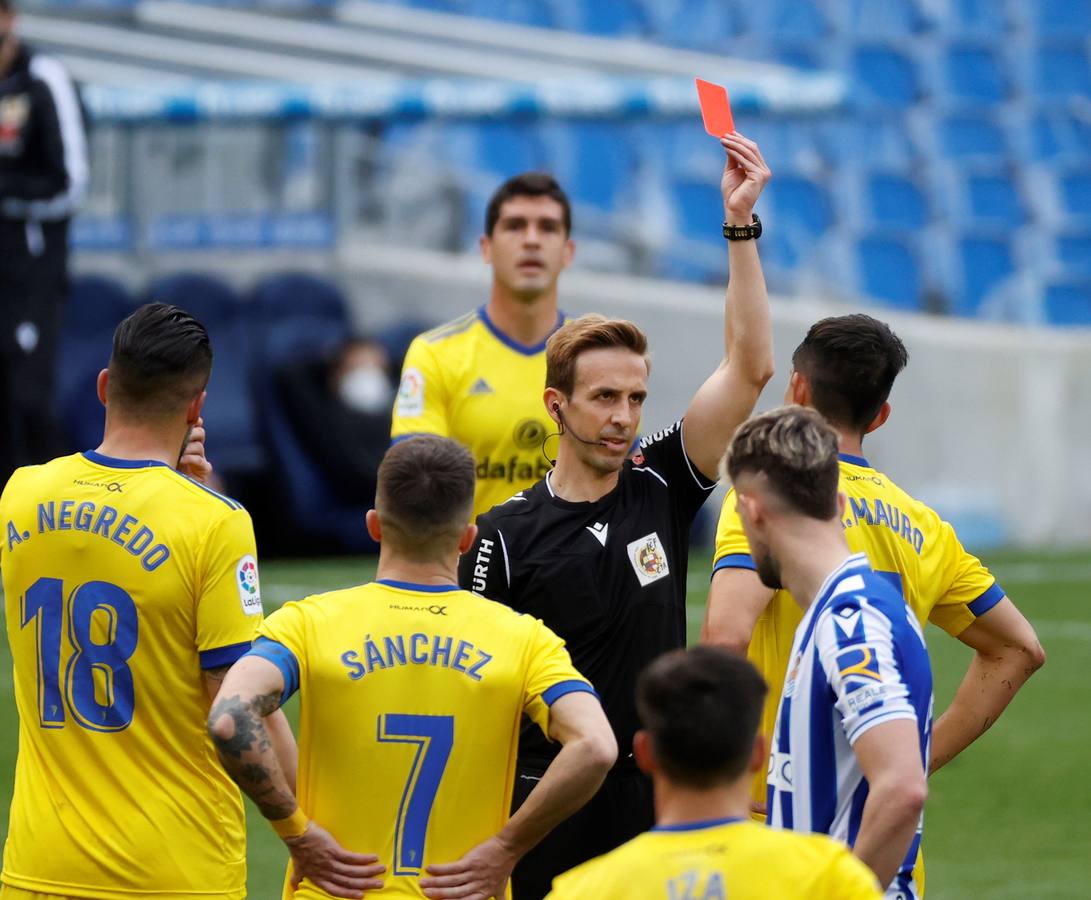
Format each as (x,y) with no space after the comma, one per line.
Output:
(745,176)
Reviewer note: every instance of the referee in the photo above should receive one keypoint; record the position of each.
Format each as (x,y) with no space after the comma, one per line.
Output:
(598,549)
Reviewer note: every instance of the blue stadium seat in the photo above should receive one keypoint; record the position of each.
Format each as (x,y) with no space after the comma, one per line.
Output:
(538,13)
(1060,134)
(594,161)
(1061,18)
(883,75)
(618,18)
(975,74)
(1074,188)
(1062,71)
(985,261)
(233,444)
(1073,251)
(700,24)
(895,201)
(881,18)
(1068,302)
(294,294)
(787,20)
(698,207)
(508,148)
(96,305)
(890,272)
(981,17)
(995,199)
(801,204)
(972,136)
(876,140)
(310,502)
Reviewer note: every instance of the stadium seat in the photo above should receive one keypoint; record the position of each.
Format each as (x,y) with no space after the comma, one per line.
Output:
(697,203)
(1073,252)
(309,502)
(294,294)
(594,161)
(233,443)
(973,73)
(1058,134)
(801,204)
(895,201)
(787,21)
(890,272)
(972,136)
(1061,18)
(880,18)
(508,148)
(700,24)
(618,18)
(862,140)
(985,261)
(883,75)
(1068,302)
(1062,71)
(1074,189)
(988,18)
(538,13)
(995,199)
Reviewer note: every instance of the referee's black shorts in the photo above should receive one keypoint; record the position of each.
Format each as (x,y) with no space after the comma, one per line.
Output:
(622,809)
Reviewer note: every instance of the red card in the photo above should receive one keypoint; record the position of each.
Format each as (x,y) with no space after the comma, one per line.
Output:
(715,108)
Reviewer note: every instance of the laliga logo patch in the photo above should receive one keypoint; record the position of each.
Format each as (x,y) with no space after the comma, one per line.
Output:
(411,394)
(648,559)
(246,577)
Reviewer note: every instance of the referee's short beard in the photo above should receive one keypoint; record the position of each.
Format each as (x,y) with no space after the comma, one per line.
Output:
(768,570)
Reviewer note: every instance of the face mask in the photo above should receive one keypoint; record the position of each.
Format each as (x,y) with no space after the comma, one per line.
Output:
(366,390)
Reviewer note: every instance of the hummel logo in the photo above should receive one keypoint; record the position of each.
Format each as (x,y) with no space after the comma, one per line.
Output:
(599,531)
(481,386)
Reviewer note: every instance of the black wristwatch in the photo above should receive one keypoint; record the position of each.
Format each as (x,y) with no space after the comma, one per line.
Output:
(743,232)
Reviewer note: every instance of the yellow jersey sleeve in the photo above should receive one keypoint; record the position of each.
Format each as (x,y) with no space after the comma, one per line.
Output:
(732,549)
(229,608)
(846,878)
(970,589)
(422,402)
(550,675)
(282,640)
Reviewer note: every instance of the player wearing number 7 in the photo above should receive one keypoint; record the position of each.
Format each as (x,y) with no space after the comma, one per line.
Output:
(128,591)
(412,693)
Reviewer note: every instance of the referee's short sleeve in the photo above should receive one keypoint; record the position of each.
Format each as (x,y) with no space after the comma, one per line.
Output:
(550,675)
(485,569)
(662,455)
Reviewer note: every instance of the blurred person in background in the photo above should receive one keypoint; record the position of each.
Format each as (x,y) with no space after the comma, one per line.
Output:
(479,378)
(43,177)
(339,407)
(699,743)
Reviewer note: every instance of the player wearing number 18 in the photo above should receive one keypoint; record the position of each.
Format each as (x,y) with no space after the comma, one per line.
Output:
(128,590)
(412,693)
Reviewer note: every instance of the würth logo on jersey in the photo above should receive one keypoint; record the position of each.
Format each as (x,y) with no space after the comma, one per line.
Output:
(481,565)
(648,559)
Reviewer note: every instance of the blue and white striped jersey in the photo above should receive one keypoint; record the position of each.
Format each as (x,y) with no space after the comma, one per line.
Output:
(858,660)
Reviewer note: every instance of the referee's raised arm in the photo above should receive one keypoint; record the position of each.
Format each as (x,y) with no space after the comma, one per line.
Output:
(727,398)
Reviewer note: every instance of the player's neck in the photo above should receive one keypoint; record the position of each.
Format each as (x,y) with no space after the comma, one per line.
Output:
(679,805)
(395,568)
(124,440)
(809,551)
(575,482)
(527,322)
(852,444)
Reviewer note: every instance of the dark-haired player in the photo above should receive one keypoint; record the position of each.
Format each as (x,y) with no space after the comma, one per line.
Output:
(412,692)
(845,368)
(479,378)
(128,591)
(699,712)
(598,549)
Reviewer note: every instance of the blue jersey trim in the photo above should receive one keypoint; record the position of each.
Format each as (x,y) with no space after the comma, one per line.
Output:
(854,460)
(553,694)
(697,826)
(406,437)
(987,600)
(735,561)
(115,463)
(425,588)
(283,658)
(525,349)
(231,504)
(223,656)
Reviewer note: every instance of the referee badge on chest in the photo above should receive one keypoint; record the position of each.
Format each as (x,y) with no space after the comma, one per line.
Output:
(648,558)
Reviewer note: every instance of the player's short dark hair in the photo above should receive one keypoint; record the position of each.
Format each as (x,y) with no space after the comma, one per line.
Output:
(851,363)
(590,332)
(528,184)
(796,450)
(701,708)
(7,6)
(425,496)
(161,359)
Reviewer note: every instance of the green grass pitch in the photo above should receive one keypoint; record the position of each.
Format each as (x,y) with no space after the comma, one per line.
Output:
(1010,818)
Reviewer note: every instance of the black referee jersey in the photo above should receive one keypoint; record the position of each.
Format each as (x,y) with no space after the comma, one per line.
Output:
(609,577)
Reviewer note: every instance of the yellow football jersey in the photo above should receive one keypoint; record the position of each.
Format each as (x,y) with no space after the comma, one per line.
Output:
(468,381)
(123,579)
(411,698)
(724,859)
(905,541)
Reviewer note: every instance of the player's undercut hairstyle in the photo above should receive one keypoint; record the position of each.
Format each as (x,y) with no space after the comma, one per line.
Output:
(795,449)
(161,360)
(851,363)
(425,496)
(701,708)
(590,332)
(528,184)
